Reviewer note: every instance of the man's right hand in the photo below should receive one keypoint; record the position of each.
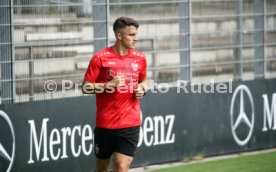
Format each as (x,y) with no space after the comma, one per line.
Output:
(117,81)
(92,88)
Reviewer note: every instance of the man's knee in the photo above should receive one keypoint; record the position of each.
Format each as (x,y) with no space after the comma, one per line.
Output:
(121,166)
(122,162)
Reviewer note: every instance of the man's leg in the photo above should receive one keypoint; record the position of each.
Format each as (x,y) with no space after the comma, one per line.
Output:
(125,148)
(103,148)
(102,165)
(121,162)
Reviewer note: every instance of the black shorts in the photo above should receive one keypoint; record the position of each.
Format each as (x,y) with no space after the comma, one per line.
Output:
(108,141)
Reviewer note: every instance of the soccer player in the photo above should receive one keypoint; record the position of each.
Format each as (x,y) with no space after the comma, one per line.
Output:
(117,75)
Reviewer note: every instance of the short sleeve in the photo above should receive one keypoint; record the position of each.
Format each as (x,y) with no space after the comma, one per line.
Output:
(143,72)
(93,69)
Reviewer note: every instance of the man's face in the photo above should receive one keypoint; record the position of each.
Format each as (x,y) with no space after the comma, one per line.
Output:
(128,36)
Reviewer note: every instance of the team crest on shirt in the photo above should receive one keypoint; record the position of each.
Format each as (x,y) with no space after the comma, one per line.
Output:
(134,66)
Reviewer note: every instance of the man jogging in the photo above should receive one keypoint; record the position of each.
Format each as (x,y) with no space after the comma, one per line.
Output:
(117,75)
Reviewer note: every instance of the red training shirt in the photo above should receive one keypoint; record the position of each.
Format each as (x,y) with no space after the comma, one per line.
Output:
(117,107)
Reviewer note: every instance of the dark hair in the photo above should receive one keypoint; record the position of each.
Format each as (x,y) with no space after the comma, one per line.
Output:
(123,22)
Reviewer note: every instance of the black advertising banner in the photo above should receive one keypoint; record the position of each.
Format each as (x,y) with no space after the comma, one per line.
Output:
(49,136)
(208,120)
(178,122)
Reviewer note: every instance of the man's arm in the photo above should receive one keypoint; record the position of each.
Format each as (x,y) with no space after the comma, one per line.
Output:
(93,88)
(142,88)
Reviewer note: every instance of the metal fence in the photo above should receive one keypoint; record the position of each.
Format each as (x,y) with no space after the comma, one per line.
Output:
(46,45)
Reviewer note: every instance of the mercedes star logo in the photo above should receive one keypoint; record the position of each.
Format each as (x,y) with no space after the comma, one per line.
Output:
(242,116)
(3,152)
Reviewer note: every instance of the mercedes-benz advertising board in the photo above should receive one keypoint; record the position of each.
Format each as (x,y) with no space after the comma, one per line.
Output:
(57,135)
